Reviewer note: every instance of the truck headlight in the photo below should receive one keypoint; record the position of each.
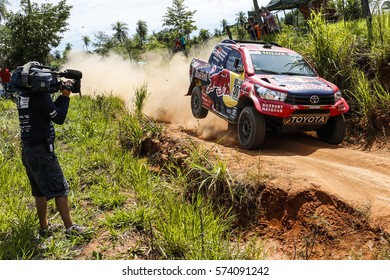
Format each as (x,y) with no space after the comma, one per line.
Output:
(269,94)
(337,96)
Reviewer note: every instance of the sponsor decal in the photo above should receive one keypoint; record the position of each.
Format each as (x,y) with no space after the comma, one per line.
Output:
(22,102)
(341,107)
(293,79)
(219,54)
(236,89)
(299,83)
(201,75)
(305,119)
(272,108)
(195,64)
(307,86)
(273,53)
(234,113)
(53,114)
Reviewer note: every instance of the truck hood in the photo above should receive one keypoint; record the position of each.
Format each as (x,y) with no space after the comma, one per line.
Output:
(296,84)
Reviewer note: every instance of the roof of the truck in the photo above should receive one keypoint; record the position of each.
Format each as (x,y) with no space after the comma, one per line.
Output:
(257,45)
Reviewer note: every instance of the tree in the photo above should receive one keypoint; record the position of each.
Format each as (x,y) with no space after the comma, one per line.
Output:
(142,31)
(217,32)
(68,48)
(367,14)
(31,33)
(257,11)
(120,29)
(103,43)
(3,9)
(179,19)
(241,20)
(224,23)
(86,41)
(204,35)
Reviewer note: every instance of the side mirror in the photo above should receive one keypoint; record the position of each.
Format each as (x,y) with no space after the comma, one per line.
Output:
(239,68)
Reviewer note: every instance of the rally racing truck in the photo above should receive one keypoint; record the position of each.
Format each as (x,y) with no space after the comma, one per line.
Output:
(257,87)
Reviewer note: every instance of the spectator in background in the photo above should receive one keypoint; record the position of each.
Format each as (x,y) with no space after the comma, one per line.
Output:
(5,77)
(253,29)
(182,42)
(177,44)
(1,75)
(269,19)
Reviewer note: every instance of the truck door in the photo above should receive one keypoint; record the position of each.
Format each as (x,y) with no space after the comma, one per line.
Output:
(231,79)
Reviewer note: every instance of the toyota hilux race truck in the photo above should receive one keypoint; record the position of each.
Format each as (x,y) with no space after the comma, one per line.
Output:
(258,87)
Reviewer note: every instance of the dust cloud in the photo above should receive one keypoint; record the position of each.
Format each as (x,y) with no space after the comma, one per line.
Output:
(167,80)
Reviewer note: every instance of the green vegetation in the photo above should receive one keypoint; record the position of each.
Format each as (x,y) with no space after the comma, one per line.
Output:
(342,53)
(186,210)
(115,192)
(38,27)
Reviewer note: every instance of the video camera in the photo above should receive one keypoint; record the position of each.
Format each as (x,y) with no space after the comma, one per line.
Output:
(35,77)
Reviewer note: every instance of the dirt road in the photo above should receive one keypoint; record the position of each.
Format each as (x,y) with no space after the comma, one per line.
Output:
(361,179)
(296,162)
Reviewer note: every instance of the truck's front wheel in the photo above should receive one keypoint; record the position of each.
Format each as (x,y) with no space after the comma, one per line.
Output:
(251,129)
(196,104)
(333,131)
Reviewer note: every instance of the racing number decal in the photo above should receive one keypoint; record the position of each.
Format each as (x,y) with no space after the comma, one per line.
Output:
(235,84)
(236,89)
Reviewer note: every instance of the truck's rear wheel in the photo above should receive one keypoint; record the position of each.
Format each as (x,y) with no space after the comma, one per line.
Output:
(196,104)
(333,131)
(251,129)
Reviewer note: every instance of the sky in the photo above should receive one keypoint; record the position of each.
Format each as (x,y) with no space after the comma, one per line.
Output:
(90,16)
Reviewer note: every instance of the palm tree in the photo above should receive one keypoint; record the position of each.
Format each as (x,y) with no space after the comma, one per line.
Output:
(142,31)
(120,29)
(241,19)
(86,41)
(3,9)
(224,23)
(217,32)
(204,35)
(68,48)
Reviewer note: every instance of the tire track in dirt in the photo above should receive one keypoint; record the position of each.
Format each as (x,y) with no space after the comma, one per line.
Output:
(310,199)
(296,162)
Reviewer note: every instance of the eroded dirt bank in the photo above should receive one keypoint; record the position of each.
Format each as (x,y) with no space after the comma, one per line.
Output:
(310,200)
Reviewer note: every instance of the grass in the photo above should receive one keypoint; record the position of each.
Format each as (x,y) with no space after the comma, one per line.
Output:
(181,212)
(342,53)
(114,191)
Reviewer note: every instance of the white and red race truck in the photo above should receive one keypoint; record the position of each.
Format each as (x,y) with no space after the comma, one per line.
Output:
(258,87)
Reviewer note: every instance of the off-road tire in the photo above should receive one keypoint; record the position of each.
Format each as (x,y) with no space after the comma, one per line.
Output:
(196,104)
(251,129)
(333,132)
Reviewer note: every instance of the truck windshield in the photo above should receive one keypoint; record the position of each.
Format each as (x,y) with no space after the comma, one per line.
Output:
(269,62)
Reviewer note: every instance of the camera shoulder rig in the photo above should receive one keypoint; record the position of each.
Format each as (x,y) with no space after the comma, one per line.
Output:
(35,77)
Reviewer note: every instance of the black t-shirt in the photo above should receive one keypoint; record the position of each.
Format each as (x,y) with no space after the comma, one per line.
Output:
(37,112)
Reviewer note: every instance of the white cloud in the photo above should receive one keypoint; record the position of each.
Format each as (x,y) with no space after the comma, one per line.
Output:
(90,16)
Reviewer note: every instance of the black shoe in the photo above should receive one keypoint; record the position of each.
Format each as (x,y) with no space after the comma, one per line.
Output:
(75,230)
(47,232)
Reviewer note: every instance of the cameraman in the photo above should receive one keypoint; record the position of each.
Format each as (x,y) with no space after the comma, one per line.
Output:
(37,112)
